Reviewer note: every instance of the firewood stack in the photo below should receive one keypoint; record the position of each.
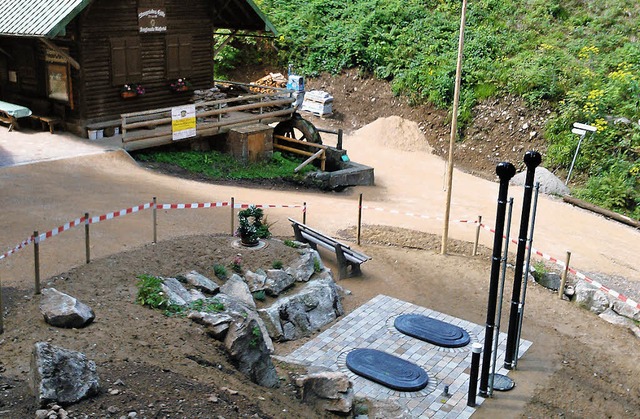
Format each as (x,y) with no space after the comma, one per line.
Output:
(270,80)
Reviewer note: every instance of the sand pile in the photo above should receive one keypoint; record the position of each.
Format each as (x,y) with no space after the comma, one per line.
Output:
(394,132)
(549,183)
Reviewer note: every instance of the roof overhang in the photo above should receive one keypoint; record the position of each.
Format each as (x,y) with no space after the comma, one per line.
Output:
(240,14)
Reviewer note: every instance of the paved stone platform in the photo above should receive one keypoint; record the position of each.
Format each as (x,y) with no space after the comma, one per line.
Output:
(371,326)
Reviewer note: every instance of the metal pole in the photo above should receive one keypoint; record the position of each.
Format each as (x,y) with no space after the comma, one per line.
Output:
(232,214)
(503,276)
(36,258)
(304,213)
(454,129)
(531,159)
(359,218)
(475,243)
(505,172)
(526,273)
(339,145)
(575,155)
(155,220)
(87,242)
(476,348)
(563,281)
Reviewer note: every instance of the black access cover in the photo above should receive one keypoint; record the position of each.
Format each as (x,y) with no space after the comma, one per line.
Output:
(387,369)
(432,330)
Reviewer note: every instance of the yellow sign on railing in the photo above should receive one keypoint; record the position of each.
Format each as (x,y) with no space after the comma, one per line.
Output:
(183,122)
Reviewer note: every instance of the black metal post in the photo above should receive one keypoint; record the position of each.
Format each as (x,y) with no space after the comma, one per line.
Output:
(476,348)
(505,172)
(532,159)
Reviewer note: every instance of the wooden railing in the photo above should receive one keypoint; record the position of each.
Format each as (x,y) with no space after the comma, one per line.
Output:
(320,154)
(153,127)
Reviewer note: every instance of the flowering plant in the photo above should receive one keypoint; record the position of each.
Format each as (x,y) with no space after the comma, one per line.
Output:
(180,85)
(132,90)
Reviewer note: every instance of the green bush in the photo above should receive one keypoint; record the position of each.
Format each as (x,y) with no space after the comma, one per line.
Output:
(277,264)
(220,271)
(150,292)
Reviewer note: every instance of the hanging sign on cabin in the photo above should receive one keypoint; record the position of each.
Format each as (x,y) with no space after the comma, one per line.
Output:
(152,16)
(183,122)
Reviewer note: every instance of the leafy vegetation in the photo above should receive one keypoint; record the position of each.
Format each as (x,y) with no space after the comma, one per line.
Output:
(217,165)
(150,292)
(220,271)
(583,58)
(251,225)
(291,243)
(277,264)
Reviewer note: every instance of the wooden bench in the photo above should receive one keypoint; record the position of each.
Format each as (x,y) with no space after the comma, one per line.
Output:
(347,257)
(51,121)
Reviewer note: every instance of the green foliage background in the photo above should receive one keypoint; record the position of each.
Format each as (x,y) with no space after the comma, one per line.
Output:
(582,57)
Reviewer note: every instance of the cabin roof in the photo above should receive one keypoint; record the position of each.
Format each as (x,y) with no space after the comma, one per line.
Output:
(49,18)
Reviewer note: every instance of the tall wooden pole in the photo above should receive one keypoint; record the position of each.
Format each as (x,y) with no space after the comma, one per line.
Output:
(454,129)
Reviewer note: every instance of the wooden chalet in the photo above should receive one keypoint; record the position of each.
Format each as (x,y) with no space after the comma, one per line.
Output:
(84,63)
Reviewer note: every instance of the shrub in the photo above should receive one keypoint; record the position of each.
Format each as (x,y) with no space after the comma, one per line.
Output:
(277,264)
(150,292)
(259,295)
(220,271)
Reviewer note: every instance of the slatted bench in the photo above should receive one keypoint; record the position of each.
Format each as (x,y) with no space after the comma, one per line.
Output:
(51,121)
(347,257)
(10,113)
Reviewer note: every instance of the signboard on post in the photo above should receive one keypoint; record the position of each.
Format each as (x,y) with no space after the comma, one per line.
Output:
(152,16)
(183,122)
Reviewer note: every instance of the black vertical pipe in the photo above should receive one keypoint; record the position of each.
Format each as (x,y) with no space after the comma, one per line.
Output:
(505,172)
(473,374)
(532,159)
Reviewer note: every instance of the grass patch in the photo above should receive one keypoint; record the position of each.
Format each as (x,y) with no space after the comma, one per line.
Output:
(215,165)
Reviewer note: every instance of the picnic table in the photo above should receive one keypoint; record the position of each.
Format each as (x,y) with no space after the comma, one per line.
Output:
(10,112)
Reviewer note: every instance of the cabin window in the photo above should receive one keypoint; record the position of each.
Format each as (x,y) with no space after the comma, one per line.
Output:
(58,82)
(179,61)
(126,62)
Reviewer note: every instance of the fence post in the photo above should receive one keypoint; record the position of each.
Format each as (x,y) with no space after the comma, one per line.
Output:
(339,145)
(476,349)
(304,213)
(563,280)
(155,220)
(359,218)
(475,243)
(87,243)
(36,258)
(232,214)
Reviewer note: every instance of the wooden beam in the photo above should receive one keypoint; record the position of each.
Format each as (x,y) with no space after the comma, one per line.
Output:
(57,49)
(229,37)
(309,160)
(609,214)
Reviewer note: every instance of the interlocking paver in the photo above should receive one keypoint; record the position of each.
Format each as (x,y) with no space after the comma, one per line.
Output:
(371,326)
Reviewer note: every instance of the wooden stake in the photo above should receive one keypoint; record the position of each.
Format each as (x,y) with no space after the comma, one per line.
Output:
(563,280)
(359,218)
(87,250)
(475,243)
(454,128)
(36,257)
(232,215)
(1,311)
(155,220)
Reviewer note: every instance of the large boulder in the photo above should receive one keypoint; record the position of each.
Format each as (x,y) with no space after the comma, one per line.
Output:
(61,376)
(278,281)
(246,347)
(236,288)
(176,292)
(62,310)
(200,282)
(216,324)
(591,298)
(306,265)
(330,391)
(298,315)
(612,317)
(255,280)
(549,280)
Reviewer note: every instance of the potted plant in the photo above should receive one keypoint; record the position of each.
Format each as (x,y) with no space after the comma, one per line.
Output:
(131,90)
(251,227)
(180,85)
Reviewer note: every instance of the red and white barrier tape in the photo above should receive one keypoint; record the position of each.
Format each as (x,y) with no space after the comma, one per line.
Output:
(21,246)
(580,275)
(221,204)
(413,214)
(127,211)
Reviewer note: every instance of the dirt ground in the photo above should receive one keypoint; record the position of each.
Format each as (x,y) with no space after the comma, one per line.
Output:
(578,366)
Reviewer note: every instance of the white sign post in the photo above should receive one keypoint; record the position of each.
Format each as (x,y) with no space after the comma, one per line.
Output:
(183,122)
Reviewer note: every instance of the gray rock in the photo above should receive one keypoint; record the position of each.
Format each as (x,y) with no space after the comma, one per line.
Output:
(549,280)
(331,391)
(62,310)
(298,315)
(304,268)
(201,282)
(626,310)
(387,409)
(277,281)
(614,318)
(255,280)
(236,288)
(216,324)
(590,297)
(61,376)
(176,292)
(196,295)
(246,347)
(550,184)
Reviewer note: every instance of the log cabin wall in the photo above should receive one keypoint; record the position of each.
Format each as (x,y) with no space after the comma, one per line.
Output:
(111,24)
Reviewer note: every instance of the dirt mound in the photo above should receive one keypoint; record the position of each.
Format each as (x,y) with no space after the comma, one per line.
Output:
(395,132)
